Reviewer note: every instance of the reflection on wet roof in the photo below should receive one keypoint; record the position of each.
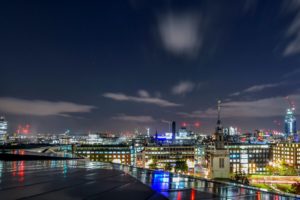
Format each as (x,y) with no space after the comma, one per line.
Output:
(79,179)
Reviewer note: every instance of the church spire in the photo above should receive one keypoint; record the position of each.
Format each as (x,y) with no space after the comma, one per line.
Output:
(219,137)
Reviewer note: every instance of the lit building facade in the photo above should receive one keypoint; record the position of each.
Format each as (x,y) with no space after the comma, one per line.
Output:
(288,152)
(200,160)
(249,158)
(3,130)
(107,153)
(166,154)
(231,131)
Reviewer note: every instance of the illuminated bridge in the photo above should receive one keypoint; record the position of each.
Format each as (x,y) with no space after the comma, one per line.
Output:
(79,179)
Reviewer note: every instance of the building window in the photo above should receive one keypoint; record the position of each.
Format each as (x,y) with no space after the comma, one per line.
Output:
(221,162)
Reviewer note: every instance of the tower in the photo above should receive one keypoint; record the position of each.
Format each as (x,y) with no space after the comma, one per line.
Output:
(290,128)
(148,132)
(219,135)
(218,156)
(173,131)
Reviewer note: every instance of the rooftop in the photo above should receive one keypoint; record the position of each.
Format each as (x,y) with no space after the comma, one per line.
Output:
(80,179)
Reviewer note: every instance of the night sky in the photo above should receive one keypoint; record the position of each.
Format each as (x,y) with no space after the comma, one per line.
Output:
(121,65)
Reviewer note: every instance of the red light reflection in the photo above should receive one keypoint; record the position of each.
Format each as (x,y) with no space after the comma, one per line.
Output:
(193,193)
(258,195)
(179,196)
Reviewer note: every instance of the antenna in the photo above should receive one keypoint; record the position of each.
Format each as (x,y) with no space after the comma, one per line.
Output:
(168,122)
(291,103)
(219,111)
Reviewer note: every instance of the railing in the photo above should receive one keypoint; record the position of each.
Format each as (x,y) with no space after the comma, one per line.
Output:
(214,181)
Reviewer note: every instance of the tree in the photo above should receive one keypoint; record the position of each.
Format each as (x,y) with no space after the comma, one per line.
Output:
(153,165)
(168,167)
(246,181)
(237,177)
(181,166)
(281,168)
(270,169)
(296,188)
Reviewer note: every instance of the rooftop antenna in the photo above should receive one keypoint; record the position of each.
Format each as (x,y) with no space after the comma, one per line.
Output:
(169,123)
(291,103)
(219,112)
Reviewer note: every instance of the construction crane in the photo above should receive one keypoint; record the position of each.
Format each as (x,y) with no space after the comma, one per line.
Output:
(168,122)
(291,103)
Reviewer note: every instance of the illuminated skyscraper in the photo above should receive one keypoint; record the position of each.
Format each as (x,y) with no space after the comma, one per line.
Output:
(290,124)
(3,129)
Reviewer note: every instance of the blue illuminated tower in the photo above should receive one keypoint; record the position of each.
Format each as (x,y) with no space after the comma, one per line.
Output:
(290,128)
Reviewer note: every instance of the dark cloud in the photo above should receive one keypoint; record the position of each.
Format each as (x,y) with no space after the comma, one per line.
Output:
(134,118)
(268,107)
(41,107)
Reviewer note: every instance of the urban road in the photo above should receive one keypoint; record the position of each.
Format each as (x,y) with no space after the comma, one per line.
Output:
(79,179)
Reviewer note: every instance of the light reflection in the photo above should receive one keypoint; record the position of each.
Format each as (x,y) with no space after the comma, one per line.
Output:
(160,181)
(258,195)
(193,194)
(65,169)
(21,168)
(1,170)
(14,168)
(179,196)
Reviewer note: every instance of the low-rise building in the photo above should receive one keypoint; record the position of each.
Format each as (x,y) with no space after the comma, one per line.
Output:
(166,154)
(249,158)
(288,152)
(106,153)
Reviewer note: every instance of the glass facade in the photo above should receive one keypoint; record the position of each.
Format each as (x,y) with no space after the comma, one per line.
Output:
(290,125)
(249,159)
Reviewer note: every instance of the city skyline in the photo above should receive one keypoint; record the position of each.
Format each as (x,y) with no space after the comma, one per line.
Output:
(113,66)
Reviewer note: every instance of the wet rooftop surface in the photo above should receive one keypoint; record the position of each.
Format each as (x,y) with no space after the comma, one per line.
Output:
(79,179)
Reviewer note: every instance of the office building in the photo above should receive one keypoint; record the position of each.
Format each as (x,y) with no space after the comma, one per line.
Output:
(249,158)
(287,152)
(3,130)
(106,153)
(166,154)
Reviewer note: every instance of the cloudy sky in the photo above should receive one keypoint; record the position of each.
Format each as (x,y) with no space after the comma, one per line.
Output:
(121,65)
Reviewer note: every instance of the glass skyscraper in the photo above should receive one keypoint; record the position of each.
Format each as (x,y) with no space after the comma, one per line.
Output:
(290,124)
